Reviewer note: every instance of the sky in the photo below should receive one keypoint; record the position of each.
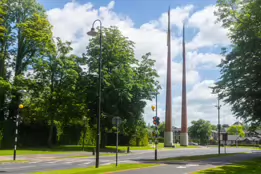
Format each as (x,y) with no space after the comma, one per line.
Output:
(145,23)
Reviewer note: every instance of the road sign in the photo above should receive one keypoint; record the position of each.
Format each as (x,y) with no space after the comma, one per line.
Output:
(116,120)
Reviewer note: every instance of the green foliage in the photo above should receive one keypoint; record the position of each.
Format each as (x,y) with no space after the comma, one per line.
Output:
(236,130)
(239,84)
(127,82)
(3,9)
(213,127)
(200,130)
(59,91)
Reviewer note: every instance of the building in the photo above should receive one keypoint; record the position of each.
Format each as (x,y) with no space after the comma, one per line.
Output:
(251,138)
(176,134)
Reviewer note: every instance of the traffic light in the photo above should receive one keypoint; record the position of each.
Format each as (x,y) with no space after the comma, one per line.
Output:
(153,108)
(156,121)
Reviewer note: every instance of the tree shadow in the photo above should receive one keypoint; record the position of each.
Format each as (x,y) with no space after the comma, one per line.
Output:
(225,161)
(245,167)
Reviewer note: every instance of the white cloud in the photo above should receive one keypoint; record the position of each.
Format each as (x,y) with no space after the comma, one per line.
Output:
(73,21)
(210,33)
(203,60)
(201,105)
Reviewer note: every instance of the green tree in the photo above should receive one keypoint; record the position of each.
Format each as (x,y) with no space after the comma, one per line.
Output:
(31,37)
(54,88)
(3,13)
(236,130)
(240,84)
(5,86)
(213,127)
(200,130)
(127,82)
(161,129)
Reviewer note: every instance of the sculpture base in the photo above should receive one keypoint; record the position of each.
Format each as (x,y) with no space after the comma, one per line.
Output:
(184,139)
(168,139)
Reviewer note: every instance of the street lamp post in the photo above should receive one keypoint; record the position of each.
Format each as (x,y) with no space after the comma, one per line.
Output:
(94,33)
(218,107)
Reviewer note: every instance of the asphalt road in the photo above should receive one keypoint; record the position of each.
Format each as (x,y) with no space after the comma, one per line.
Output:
(68,163)
(188,167)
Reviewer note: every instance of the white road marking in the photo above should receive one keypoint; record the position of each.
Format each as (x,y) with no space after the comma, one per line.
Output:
(106,164)
(51,162)
(192,165)
(181,167)
(85,163)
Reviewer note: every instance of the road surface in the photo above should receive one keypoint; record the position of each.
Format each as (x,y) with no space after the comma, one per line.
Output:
(48,163)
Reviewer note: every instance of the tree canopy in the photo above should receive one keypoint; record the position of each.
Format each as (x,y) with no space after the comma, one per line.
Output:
(236,130)
(239,84)
(61,88)
(200,130)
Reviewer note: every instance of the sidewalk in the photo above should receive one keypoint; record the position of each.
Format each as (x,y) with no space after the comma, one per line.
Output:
(192,166)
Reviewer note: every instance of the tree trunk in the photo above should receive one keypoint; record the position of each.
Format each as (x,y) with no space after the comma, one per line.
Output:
(50,138)
(103,134)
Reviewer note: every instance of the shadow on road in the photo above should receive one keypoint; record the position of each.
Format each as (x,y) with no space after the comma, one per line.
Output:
(216,161)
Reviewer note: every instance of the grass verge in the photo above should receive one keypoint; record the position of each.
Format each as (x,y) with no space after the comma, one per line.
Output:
(195,158)
(246,167)
(12,161)
(81,156)
(101,170)
(74,148)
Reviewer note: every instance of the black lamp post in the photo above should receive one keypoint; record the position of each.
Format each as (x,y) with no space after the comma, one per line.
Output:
(94,33)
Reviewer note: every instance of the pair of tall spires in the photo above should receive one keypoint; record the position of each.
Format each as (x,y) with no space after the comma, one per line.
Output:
(168,134)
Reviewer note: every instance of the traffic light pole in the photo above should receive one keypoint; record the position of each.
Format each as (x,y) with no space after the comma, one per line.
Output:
(156,140)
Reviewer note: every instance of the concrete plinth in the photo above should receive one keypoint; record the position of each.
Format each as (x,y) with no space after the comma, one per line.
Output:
(168,139)
(184,139)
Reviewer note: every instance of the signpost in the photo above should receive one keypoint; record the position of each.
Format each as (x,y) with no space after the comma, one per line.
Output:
(116,121)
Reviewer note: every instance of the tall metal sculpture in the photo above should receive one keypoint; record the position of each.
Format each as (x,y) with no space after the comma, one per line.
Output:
(168,134)
(184,117)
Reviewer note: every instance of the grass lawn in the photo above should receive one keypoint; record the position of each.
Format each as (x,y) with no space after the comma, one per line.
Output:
(74,148)
(29,152)
(246,167)
(101,170)
(193,158)
(12,161)
(81,156)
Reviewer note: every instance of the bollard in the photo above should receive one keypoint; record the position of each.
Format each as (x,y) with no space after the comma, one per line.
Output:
(128,149)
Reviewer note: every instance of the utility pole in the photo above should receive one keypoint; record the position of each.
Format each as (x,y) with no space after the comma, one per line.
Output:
(219,126)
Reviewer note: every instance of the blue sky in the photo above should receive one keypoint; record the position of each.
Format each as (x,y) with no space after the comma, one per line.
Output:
(144,22)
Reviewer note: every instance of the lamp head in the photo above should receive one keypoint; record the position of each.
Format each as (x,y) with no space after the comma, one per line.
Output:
(92,32)
(21,106)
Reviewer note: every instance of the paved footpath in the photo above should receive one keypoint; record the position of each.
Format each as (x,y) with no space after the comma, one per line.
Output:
(188,167)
